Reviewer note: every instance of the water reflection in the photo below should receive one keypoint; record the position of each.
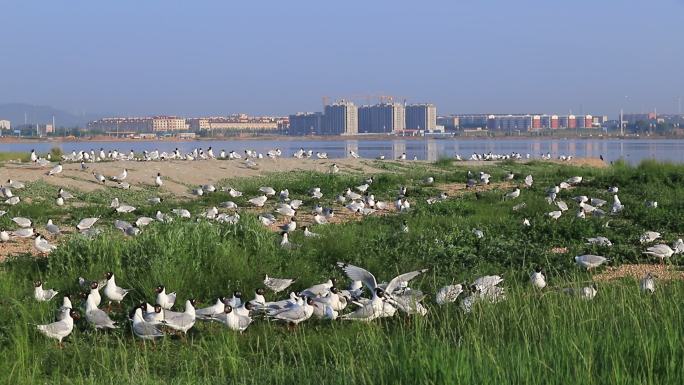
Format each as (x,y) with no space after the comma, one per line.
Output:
(431,149)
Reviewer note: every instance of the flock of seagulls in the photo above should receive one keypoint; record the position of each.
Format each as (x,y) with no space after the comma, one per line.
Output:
(249,156)
(363,299)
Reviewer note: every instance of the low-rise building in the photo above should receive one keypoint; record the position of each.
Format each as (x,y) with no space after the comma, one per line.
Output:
(5,125)
(472,120)
(168,123)
(509,123)
(44,129)
(634,118)
(450,123)
(239,122)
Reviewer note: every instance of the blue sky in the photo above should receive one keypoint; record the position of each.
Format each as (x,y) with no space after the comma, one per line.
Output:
(276,57)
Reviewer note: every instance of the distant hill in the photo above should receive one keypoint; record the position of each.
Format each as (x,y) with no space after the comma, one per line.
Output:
(14,112)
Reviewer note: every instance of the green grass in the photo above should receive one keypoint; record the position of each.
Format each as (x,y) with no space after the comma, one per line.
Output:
(621,337)
(13,156)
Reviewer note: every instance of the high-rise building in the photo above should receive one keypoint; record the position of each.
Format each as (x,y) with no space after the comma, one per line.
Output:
(5,125)
(421,117)
(381,118)
(305,123)
(340,118)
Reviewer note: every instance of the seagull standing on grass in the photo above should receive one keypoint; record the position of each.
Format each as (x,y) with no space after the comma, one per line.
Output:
(589,261)
(513,194)
(181,322)
(649,236)
(42,295)
(41,244)
(62,328)
(647,284)
(660,251)
(278,284)
(96,316)
(537,278)
(143,329)
(112,291)
(166,301)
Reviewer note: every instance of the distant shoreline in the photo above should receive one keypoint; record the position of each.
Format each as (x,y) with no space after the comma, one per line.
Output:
(6,139)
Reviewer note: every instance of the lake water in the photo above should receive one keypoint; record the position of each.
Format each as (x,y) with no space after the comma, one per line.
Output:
(632,150)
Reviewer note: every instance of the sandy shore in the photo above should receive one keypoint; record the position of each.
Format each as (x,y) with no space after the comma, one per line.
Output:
(181,176)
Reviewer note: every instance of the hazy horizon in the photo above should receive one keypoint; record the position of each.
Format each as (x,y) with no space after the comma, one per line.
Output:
(277,58)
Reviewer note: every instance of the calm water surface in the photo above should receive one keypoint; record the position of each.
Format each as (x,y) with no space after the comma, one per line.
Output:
(633,150)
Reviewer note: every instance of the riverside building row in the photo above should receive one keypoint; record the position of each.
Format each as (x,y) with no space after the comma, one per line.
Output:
(521,122)
(345,118)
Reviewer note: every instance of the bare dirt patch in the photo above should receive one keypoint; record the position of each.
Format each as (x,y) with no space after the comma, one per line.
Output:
(16,246)
(342,215)
(638,271)
(458,189)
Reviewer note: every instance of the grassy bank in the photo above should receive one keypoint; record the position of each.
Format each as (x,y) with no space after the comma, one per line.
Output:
(621,337)
(13,157)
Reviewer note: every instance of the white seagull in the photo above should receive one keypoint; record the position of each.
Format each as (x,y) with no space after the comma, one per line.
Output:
(537,278)
(41,244)
(166,301)
(647,284)
(96,316)
(143,329)
(62,328)
(112,291)
(589,261)
(55,170)
(278,284)
(449,293)
(181,321)
(42,295)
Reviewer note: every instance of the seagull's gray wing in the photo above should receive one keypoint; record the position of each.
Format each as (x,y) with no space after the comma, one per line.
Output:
(244,322)
(55,328)
(363,312)
(146,329)
(291,314)
(402,278)
(99,318)
(356,273)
